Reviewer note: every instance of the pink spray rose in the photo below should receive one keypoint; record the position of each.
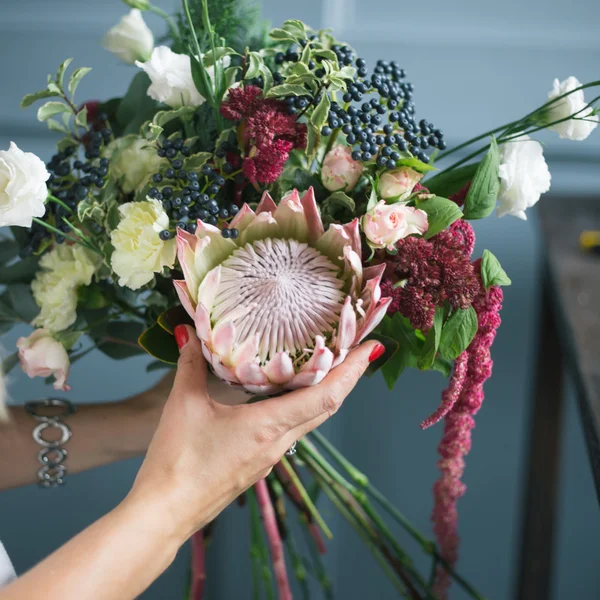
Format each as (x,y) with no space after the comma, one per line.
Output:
(339,171)
(386,224)
(398,183)
(41,356)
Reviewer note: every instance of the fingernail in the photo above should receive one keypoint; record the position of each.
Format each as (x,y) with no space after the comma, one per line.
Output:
(181,335)
(376,352)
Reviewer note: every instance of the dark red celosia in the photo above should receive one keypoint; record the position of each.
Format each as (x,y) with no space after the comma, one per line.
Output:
(461,195)
(432,272)
(269,132)
(456,440)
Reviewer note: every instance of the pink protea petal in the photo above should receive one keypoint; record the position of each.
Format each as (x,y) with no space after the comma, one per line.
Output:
(202,323)
(313,216)
(246,351)
(333,242)
(306,379)
(374,272)
(186,246)
(208,288)
(291,218)
(184,297)
(353,231)
(313,370)
(372,320)
(244,217)
(340,357)
(251,373)
(263,390)
(263,226)
(222,371)
(212,248)
(280,369)
(223,338)
(354,269)
(266,204)
(346,327)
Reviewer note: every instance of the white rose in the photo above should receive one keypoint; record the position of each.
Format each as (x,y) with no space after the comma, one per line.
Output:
(583,124)
(139,250)
(23,188)
(62,271)
(524,176)
(133,161)
(41,355)
(130,39)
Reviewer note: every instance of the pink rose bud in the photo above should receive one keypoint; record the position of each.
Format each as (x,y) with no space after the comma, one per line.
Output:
(339,171)
(398,183)
(41,356)
(387,224)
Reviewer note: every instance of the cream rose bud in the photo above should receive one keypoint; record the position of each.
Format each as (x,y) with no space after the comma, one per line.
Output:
(399,183)
(132,162)
(130,39)
(387,224)
(339,170)
(23,190)
(524,176)
(139,250)
(584,121)
(41,355)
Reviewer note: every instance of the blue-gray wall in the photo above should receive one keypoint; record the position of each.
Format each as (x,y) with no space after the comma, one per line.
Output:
(474,65)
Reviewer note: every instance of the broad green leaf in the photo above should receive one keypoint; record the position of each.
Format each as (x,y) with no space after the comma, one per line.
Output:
(22,301)
(10,362)
(458,332)
(7,312)
(169,319)
(416,164)
(8,250)
(441,213)
(373,199)
(282,35)
(120,340)
(159,343)
(136,106)
(339,201)
(325,53)
(22,271)
(346,73)
(254,63)
(432,341)
(157,365)
(66,142)
(491,271)
(68,338)
(448,183)
(295,27)
(287,90)
(29,99)
(92,297)
(54,125)
(321,112)
(76,77)
(163,117)
(483,193)
(60,75)
(51,109)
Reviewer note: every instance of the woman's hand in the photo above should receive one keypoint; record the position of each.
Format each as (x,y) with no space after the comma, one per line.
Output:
(204,454)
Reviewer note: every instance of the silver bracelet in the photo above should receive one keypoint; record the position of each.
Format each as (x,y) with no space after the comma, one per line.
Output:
(49,411)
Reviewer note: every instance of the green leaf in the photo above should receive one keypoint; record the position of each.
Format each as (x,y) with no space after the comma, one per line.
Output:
(346,73)
(483,193)
(60,75)
(373,199)
(432,341)
(7,312)
(339,202)
(321,112)
(157,365)
(76,77)
(22,271)
(287,90)
(120,340)
(491,271)
(441,213)
(29,99)
(81,118)
(196,161)
(448,183)
(10,362)
(169,319)
(313,139)
(201,79)
(254,63)
(281,35)
(459,331)
(66,142)
(57,127)
(68,338)
(51,109)
(8,250)
(22,301)
(159,343)
(295,27)
(91,297)
(136,107)
(416,164)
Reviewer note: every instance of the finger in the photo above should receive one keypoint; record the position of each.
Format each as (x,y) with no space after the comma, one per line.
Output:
(191,366)
(291,411)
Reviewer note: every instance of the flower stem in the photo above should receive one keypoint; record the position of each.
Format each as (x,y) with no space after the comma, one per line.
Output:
(81,242)
(60,202)
(317,561)
(171,25)
(198,566)
(258,550)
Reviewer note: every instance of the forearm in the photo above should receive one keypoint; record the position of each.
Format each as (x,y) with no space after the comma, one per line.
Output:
(102,433)
(116,558)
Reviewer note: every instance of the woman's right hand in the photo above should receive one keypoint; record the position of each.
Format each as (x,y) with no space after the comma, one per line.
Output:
(204,454)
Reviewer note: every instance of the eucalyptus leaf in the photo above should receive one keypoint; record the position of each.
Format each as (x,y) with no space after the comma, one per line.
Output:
(492,272)
(483,193)
(458,332)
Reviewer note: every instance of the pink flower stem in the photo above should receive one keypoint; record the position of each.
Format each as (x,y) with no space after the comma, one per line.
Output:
(198,566)
(275,543)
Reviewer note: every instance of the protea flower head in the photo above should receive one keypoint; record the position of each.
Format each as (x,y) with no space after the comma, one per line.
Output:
(282,304)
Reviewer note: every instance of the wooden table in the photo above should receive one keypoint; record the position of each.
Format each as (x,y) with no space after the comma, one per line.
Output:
(569,336)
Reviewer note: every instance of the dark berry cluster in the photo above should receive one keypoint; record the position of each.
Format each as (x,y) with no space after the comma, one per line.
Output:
(187,195)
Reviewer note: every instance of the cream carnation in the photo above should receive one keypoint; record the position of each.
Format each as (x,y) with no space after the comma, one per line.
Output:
(387,224)
(524,176)
(133,161)
(130,39)
(139,250)
(398,184)
(41,355)
(574,104)
(62,271)
(23,190)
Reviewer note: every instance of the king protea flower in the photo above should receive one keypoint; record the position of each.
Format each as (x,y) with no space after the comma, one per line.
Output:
(280,306)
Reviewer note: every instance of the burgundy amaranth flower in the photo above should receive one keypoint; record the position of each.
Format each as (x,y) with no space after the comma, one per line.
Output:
(456,441)
(269,132)
(430,273)
(461,195)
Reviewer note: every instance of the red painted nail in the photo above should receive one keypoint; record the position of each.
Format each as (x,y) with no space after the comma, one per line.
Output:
(376,352)
(181,335)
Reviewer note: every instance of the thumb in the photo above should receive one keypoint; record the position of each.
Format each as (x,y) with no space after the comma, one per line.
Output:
(191,366)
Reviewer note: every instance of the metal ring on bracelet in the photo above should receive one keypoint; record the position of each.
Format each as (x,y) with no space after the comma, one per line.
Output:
(292,450)
(51,457)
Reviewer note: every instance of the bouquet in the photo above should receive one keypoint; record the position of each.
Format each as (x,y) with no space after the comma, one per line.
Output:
(284,197)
